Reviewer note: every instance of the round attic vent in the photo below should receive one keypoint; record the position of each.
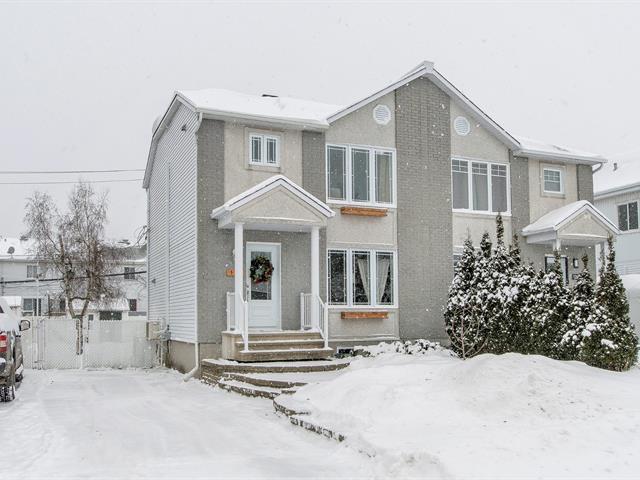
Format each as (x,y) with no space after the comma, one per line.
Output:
(382,114)
(462,126)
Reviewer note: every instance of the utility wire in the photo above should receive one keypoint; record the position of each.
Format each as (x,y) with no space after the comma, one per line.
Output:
(41,280)
(34,172)
(75,181)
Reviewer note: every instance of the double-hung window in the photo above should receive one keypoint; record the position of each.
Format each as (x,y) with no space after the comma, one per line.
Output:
(552,180)
(361,277)
(264,149)
(358,174)
(628,216)
(479,186)
(32,271)
(129,273)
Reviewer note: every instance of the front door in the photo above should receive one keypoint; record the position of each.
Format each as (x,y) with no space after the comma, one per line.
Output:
(263,285)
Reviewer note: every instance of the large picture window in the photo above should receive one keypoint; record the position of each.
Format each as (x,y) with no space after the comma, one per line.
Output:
(358,174)
(479,186)
(628,216)
(361,277)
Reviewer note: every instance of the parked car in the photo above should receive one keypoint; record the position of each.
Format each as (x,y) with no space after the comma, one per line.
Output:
(11,367)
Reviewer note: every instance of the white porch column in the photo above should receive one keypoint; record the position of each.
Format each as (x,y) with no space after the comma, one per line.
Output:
(315,275)
(238,277)
(557,244)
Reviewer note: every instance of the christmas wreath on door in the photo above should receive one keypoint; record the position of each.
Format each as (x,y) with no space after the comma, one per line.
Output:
(261,269)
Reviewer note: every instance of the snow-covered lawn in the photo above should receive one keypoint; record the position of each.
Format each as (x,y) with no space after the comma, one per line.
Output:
(133,424)
(434,416)
(509,416)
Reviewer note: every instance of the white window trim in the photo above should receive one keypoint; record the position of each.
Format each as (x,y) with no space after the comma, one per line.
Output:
(263,150)
(490,191)
(37,270)
(372,176)
(553,169)
(629,230)
(373,265)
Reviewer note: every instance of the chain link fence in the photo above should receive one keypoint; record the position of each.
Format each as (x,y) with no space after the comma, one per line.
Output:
(52,343)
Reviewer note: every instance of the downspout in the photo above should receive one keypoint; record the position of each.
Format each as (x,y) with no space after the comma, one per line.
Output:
(598,168)
(196,365)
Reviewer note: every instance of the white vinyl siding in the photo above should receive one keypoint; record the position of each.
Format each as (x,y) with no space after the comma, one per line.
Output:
(172,228)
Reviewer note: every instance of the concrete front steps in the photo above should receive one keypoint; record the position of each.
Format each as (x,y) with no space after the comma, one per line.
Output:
(267,380)
(275,346)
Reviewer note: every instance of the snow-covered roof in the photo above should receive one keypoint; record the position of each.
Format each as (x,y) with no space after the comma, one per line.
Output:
(8,319)
(620,175)
(549,151)
(266,186)
(555,219)
(13,300)
(220,103)
(229,103)
(15,249)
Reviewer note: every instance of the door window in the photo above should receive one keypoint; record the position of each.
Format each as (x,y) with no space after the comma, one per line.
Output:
(260,273)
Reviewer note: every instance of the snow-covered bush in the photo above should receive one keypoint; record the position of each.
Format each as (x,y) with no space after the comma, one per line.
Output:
(409,347)
(465,321)
(610,341)
(546,309)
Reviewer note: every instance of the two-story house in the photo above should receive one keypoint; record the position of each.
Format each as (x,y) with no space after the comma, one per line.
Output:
(617,195)
(280,228)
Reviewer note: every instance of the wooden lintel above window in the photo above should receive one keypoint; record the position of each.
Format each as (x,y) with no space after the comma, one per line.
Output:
(364,211)
(353,314)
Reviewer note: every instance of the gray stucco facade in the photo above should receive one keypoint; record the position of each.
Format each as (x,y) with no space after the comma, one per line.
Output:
(424,208)
(419,228)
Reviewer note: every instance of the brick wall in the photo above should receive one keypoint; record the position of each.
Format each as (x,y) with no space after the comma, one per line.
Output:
(424,208)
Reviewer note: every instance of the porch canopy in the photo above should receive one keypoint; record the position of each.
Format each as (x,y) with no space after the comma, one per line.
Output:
(276,204)
(577,224)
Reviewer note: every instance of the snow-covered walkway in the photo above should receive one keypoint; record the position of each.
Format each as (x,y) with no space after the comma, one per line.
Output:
(133,424)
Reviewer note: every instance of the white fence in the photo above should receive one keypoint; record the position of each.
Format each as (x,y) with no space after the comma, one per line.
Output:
(51,342)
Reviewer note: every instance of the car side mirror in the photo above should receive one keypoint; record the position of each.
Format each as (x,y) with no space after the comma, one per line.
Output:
(25,325)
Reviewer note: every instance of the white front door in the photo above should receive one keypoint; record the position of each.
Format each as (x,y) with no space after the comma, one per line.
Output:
(263,296)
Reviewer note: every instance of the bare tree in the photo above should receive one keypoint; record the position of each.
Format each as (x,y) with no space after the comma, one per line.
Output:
(72,245)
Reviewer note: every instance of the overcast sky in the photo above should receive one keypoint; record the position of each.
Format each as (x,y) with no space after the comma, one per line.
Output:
(83,82)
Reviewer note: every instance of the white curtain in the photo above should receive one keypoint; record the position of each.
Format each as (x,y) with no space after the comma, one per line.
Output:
(383,275)
(363,268)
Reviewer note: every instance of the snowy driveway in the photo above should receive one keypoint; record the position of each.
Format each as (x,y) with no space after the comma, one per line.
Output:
(134,424)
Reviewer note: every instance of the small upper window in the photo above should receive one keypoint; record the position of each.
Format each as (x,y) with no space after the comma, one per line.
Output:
(129,273)
(264,149)
(32,271)
(552,178)
(628,216)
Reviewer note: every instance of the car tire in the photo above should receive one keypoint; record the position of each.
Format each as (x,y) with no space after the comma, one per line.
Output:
(8,391)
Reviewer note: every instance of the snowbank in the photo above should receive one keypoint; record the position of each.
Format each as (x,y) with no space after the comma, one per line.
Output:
(632,286)
(492,416)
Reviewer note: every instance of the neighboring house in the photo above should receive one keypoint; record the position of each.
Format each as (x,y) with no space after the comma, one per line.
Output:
(28,284)
(617,195)
(358,213)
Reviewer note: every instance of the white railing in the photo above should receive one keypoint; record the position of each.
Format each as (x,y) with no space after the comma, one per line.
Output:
(243,326)
(323,321)
(305,311)
(307,304)
(231,311)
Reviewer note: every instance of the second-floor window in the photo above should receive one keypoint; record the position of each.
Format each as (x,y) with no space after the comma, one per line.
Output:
(628,216)
(264,149)
(32,271)
(129,273)
(133,305)
(552,180)
(480,186)
(358,174)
